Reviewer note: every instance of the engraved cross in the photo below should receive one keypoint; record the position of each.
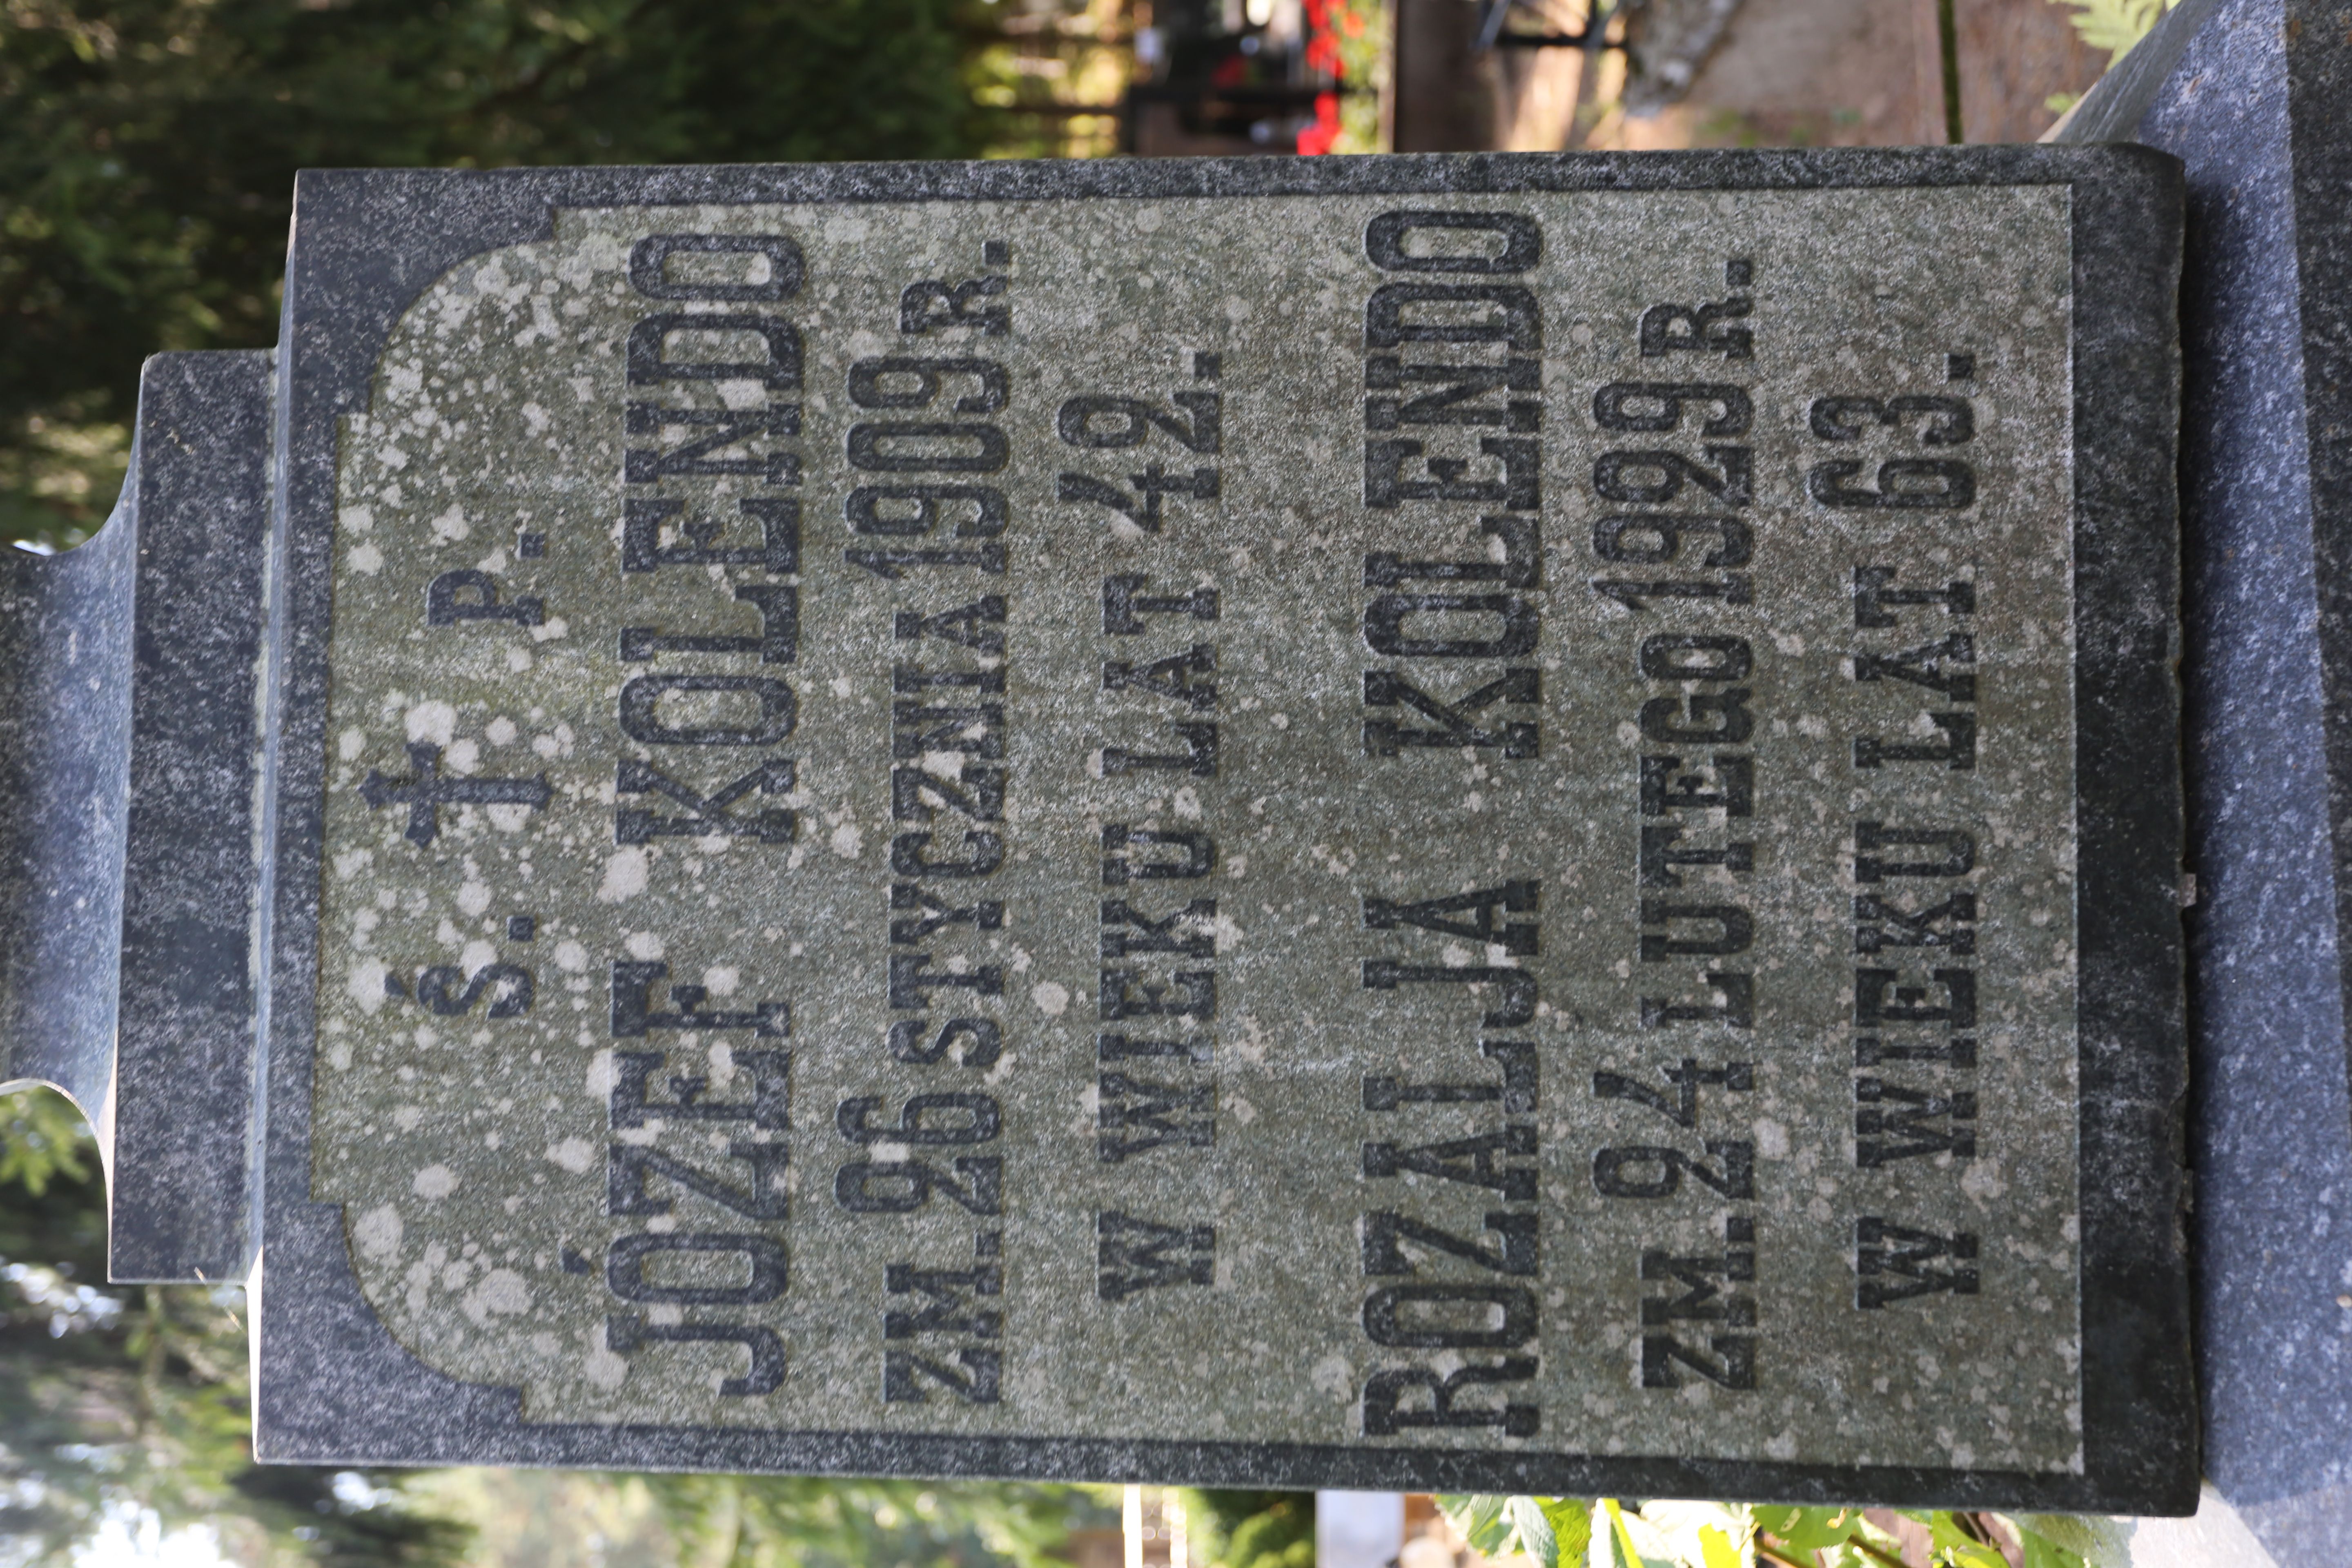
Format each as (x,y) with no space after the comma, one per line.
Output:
(428,792)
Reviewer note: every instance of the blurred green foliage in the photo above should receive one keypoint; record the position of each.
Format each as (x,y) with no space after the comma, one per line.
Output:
(2114,26)
(1251,1530)
(147,151)
(43,1138)
(1570,1532)
(796,1522)
(124,1409)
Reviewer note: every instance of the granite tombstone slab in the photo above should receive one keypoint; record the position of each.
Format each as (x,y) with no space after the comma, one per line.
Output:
(2253,96)
(1500,822)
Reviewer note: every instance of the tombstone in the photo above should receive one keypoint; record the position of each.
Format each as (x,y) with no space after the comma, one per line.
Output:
(1497,823)
(2251,94)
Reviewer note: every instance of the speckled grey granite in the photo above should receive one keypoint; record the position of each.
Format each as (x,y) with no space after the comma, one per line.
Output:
(133,750)
(473,923)
(2255,96)
(68,625)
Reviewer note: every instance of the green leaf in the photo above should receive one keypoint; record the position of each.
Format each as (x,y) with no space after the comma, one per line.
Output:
(1852,1534)
(1807,1528)
(2070,1540)
(1571,1527)
(1618,1539)
(2038,1553)
(1532,1532)
(1555,1532)
(1480,1519)
(1957,1548)
(1682,1530)
(1280,1534)
(2115,24)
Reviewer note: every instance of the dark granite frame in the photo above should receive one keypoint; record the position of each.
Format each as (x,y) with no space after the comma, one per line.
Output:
(2251,94)
(332,1385)
(128,682)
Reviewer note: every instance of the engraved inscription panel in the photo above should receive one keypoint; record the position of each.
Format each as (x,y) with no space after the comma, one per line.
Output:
(1437,822)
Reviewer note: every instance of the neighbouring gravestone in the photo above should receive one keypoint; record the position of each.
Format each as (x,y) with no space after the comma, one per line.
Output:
(1494,822)
(2253,95)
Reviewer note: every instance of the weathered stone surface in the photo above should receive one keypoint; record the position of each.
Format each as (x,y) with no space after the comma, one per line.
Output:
(2252,95)
(131,736)
(963,820)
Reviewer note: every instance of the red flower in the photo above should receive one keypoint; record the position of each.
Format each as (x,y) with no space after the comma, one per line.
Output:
(1317,139)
